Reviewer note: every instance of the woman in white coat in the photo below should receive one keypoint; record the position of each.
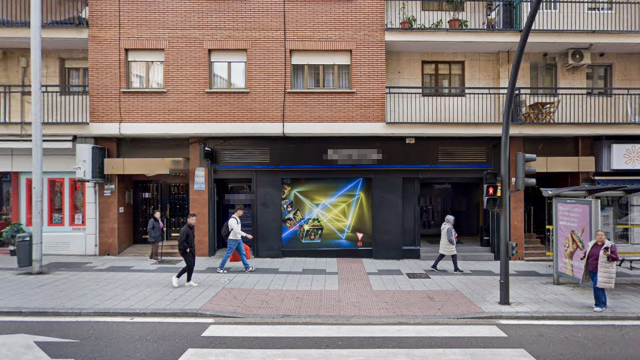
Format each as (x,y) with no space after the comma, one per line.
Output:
(448,240)
(600,268)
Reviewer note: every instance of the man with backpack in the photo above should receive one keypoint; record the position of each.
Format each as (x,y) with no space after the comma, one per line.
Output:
(232,232)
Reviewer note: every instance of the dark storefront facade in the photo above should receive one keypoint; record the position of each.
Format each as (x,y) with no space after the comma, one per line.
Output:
(347,197)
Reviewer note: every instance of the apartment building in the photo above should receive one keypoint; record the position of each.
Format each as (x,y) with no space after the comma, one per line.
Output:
(346,128)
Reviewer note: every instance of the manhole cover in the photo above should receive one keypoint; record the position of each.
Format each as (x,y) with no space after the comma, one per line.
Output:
(418,276)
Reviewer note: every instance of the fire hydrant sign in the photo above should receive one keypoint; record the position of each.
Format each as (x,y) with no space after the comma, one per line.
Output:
(573,227)
(198,179)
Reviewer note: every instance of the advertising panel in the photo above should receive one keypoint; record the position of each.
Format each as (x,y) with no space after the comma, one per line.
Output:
(326,214)
(574,227)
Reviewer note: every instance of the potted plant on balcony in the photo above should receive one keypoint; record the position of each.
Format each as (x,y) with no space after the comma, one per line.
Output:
(456,7)
(9,235)
(406,21)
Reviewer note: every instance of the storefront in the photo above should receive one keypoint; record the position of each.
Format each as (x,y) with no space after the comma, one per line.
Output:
(69,210)
(350,197)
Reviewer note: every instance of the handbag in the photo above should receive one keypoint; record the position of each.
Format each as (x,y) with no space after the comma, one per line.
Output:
(235,257)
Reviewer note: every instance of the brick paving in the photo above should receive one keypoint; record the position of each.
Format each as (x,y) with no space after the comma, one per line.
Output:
(356,297)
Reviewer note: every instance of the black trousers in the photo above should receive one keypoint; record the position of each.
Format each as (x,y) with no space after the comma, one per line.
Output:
(453,257)
(190,260)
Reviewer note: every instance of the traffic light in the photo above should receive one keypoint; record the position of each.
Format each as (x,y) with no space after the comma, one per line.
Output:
(522,170)
(512,249)
(491,191)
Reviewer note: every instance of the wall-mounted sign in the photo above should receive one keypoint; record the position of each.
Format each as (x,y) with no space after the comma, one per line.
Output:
(198,179)
(625,157)
(353,156)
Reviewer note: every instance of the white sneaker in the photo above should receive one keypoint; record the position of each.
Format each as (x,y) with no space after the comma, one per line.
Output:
(191,284)
(597,309)
(174,281)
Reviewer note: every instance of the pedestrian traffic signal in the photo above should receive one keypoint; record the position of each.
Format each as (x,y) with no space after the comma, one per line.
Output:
(513,249)
(491,196)
(522,170)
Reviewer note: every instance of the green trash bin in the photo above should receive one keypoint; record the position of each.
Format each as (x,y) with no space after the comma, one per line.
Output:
(24,250)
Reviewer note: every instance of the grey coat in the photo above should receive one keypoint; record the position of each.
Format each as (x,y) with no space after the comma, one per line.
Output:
(154,231)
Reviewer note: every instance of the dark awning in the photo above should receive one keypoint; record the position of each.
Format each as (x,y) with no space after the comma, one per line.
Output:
(584,191)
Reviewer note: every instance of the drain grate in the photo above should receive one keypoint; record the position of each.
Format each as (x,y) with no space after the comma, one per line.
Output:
(418,276)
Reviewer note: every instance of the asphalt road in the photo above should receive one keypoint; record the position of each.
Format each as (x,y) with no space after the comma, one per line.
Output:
(102,340)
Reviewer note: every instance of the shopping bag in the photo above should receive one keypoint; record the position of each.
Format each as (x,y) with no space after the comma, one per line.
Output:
(235,257)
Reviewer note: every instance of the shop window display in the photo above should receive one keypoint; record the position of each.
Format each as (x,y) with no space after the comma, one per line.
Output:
(77,203)
(28,192)
(5,200)
(56,202)
(620,218)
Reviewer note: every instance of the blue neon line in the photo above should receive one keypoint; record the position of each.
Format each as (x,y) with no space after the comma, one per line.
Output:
(393,166)
(314,166)
(353,204)
(463,166)
(246,167)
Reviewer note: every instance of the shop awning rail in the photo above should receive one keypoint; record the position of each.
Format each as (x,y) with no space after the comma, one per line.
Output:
(587,191)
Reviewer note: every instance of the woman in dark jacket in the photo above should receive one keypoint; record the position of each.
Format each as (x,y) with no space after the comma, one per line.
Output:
(155,229)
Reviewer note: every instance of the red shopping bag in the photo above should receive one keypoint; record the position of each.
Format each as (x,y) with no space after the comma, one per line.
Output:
(236,257)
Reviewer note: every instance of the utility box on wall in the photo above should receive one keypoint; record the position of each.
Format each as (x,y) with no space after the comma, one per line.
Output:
(90,162)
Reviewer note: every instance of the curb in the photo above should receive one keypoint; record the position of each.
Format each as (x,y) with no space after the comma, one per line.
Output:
(231,317)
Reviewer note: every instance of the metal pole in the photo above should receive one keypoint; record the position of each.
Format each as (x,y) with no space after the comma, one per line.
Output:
(36,119)
(505,218)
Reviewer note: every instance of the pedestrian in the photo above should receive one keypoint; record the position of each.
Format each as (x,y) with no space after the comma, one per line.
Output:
(448,240)
(600,268)
(234,243)
(187,249)
(155,230)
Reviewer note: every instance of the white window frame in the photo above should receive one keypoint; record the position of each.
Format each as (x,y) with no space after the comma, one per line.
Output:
(321,59)
(83,66)
(229,57)
(148,57)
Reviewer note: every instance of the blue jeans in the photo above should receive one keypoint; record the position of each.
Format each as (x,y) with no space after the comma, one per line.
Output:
(600,295)
(236,245)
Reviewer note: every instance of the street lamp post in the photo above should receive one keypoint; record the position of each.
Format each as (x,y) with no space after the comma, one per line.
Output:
(36,119)
(505,217)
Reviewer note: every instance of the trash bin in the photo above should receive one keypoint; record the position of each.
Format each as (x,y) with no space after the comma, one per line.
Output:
(24,250)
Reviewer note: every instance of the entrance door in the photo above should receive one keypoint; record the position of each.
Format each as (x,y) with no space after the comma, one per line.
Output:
(172,199)
(229,193)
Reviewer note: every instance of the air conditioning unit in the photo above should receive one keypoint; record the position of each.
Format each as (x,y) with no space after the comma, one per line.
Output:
(578,58)
(90,162)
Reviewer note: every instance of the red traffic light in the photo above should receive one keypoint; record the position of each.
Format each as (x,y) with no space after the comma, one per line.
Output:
(491,190)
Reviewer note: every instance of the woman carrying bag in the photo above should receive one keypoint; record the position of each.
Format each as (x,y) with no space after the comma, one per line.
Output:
(155,229)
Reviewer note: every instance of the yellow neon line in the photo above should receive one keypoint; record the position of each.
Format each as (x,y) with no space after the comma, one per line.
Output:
(549,254)
(627,226)
(549,226)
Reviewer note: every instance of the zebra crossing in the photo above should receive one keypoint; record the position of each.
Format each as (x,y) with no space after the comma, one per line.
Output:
(348,333)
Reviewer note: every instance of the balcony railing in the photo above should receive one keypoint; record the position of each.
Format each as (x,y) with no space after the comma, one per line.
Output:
(61,104)
(555,15)
(55,13)
(468,105)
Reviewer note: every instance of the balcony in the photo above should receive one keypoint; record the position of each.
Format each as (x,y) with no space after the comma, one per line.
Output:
(61,104)
(55,13)
(588,16)
(564,106)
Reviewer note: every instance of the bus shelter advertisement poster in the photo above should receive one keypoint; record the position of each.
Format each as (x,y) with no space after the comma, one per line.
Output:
(326,214)
(573,231)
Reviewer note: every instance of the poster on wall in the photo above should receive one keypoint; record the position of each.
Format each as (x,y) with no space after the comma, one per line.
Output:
(574,224)
(326,214)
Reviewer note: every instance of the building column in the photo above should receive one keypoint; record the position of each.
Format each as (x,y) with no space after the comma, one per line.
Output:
(517,200)
(199,199)
(108,206)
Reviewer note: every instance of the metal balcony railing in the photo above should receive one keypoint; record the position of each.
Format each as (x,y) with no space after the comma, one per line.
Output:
(614,16)
(472,105)
(55,13)
(61,104)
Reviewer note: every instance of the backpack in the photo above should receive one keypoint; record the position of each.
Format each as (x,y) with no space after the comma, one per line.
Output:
(226,231)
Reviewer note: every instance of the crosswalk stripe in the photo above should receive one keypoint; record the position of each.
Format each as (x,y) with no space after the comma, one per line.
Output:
(358,354)
(353,331)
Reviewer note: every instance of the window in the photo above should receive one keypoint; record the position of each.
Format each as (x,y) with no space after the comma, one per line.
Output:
(77,203)
(435,5)
(549,5)
(321,70)
(440,74)
(56,202)
(600,5)
(145,69)
(29,198)
(599,79)
(544,78)
(75,75)
(228,69)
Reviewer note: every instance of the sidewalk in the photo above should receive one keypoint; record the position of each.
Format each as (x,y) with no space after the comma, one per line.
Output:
(297,287)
